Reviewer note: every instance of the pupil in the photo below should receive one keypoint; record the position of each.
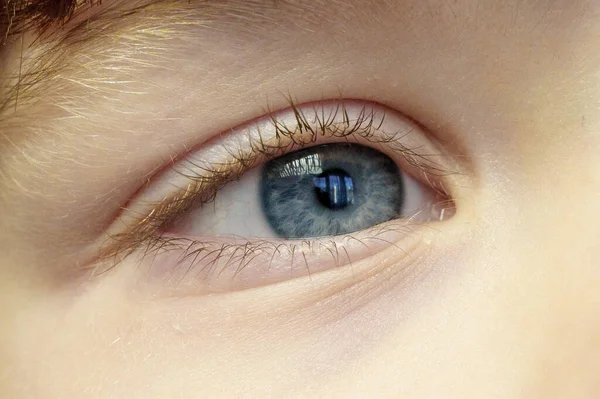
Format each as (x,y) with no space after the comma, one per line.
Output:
(334,189)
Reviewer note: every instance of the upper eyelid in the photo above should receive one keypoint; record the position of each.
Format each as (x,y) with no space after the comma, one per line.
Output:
(164,211)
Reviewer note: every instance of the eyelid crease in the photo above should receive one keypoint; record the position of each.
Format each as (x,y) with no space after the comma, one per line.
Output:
(205,179)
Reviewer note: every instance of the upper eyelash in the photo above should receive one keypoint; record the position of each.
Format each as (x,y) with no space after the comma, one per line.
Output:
(203,188)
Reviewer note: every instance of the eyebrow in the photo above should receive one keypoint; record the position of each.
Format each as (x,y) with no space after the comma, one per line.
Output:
(17,16)
(60,28)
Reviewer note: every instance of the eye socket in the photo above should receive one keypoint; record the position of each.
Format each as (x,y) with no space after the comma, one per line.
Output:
(263,203)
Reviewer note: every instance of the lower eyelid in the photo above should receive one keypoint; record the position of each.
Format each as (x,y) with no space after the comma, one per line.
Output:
(221,265)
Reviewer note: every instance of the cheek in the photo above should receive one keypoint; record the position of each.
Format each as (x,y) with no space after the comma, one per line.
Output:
(478,303)
(112,340)
(57,342)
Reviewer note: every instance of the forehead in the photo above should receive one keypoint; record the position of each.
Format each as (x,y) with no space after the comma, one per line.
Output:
(86,36)
(17,15)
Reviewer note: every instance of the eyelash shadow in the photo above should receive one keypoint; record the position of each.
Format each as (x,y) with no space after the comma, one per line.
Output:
(205,181)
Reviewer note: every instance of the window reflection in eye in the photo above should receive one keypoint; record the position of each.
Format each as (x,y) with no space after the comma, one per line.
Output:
(297,192)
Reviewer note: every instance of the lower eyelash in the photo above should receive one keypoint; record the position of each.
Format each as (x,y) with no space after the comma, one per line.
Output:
(222,265)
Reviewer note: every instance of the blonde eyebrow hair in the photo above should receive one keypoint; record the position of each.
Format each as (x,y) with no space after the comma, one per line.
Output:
(60,30)
(20,15)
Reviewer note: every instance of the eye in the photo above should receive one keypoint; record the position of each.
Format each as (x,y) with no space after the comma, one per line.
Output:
(297,192)
(324,190)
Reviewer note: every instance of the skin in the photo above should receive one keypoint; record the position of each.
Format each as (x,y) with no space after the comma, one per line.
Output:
(500,300)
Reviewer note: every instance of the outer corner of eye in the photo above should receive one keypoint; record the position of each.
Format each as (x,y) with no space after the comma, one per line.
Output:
(308,189)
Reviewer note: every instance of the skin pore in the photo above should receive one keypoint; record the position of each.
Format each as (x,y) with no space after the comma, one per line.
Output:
(499,300)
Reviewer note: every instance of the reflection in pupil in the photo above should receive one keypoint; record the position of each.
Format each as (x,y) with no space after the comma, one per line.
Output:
(334,189)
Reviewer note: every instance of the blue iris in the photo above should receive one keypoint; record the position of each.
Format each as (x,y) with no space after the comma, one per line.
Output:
(330,189)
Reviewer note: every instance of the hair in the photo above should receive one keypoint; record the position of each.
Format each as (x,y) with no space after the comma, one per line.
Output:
(20,15)
(47,39)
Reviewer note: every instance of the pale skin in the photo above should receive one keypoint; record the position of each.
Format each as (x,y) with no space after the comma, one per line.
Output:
(500,300)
